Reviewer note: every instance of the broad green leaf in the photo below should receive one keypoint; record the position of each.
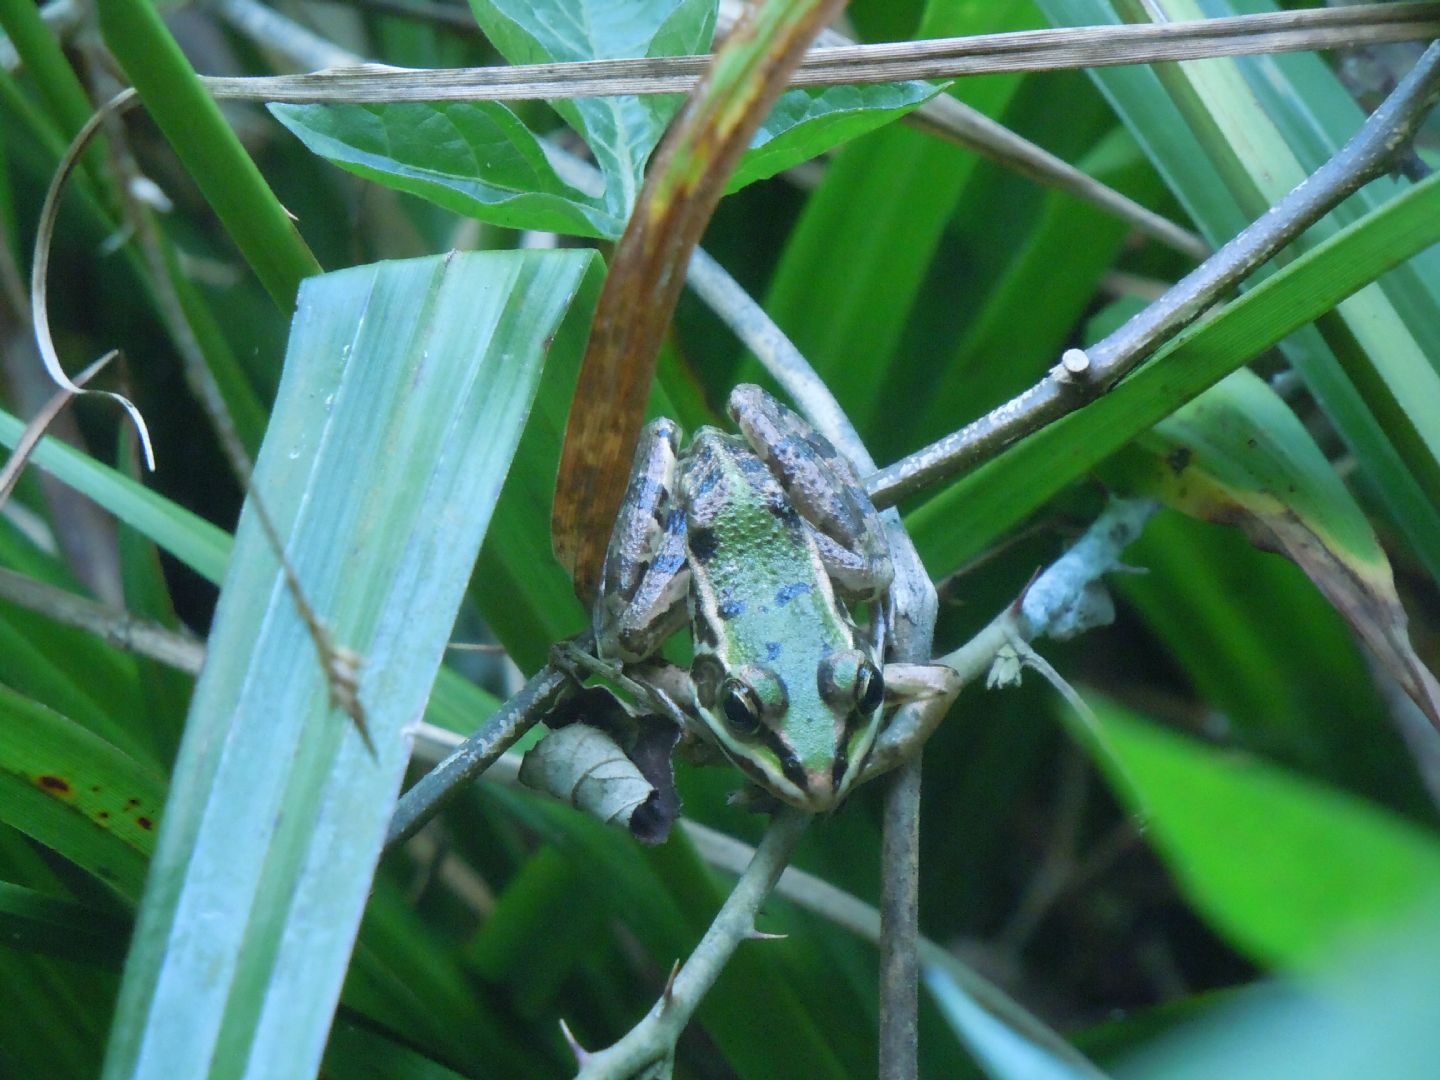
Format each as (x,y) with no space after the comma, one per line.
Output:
(806,122)
(621,130)
(406,385)
(475,157)
(77,794)
(1237,455)
(1286,869)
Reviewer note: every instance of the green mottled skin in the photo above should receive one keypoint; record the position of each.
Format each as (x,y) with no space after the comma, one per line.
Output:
(737,540)
(785,616)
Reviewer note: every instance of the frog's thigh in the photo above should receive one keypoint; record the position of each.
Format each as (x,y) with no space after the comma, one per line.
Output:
(657,608)
(822,486)
(644,574)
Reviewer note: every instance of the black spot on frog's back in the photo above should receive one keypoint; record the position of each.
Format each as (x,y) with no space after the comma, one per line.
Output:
(703,543)
(729,607)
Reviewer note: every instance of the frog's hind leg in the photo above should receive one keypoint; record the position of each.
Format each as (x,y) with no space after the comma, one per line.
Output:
(645,579)
(823,487)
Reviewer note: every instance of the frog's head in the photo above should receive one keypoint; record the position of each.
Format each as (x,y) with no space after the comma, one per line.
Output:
(806,744)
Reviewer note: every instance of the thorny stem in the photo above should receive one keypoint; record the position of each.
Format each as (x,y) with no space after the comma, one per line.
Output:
(1080,377)
(653,1038)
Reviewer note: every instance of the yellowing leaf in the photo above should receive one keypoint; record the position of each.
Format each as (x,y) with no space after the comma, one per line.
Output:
(1237,455)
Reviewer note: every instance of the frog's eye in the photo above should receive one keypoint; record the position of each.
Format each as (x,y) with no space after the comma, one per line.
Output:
(849,680)
(741,707)
(751,697)
(869,688)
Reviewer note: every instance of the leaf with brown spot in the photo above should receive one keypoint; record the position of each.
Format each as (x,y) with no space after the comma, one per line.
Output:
(1237,455)
(688,176)
(77,794)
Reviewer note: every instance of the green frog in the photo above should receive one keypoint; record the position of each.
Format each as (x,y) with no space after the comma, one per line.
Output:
(766,543)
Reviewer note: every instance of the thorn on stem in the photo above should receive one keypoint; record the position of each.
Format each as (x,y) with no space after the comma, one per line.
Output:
(581,1054)
(668,997)
(761,935)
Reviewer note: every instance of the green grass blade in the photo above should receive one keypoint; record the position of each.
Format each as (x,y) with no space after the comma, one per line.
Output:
(32,921)
(75,793)
(406,386)
(191,539)
(212,152)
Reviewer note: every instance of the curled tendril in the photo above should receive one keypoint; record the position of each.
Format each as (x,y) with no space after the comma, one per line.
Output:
(44,234)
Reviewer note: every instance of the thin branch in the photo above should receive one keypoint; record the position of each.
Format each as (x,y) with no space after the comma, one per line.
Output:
(477,753)
(947,118)
(818,896)
(1080,376)
(653,1038)
(172,648)
(943,58)
(944,117)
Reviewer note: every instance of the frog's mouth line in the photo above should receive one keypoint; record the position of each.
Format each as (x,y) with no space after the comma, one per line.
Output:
(794,785)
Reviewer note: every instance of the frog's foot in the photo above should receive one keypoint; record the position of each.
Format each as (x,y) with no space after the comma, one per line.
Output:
(905,683)
(654,685)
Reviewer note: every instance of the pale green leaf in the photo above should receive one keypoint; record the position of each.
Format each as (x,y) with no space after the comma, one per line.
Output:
(406,386)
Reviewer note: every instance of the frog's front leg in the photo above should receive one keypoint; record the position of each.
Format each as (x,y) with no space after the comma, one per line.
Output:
(645,579)
(823,487)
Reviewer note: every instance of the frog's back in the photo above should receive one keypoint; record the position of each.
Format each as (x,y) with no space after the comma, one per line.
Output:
(754,561)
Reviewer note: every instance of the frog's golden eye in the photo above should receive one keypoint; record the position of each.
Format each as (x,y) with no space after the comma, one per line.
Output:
(850,680)
(741,707)
(869,688)
(753,696)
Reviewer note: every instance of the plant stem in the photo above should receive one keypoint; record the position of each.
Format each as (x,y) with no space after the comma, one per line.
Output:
(653,1038)
(1081,376)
